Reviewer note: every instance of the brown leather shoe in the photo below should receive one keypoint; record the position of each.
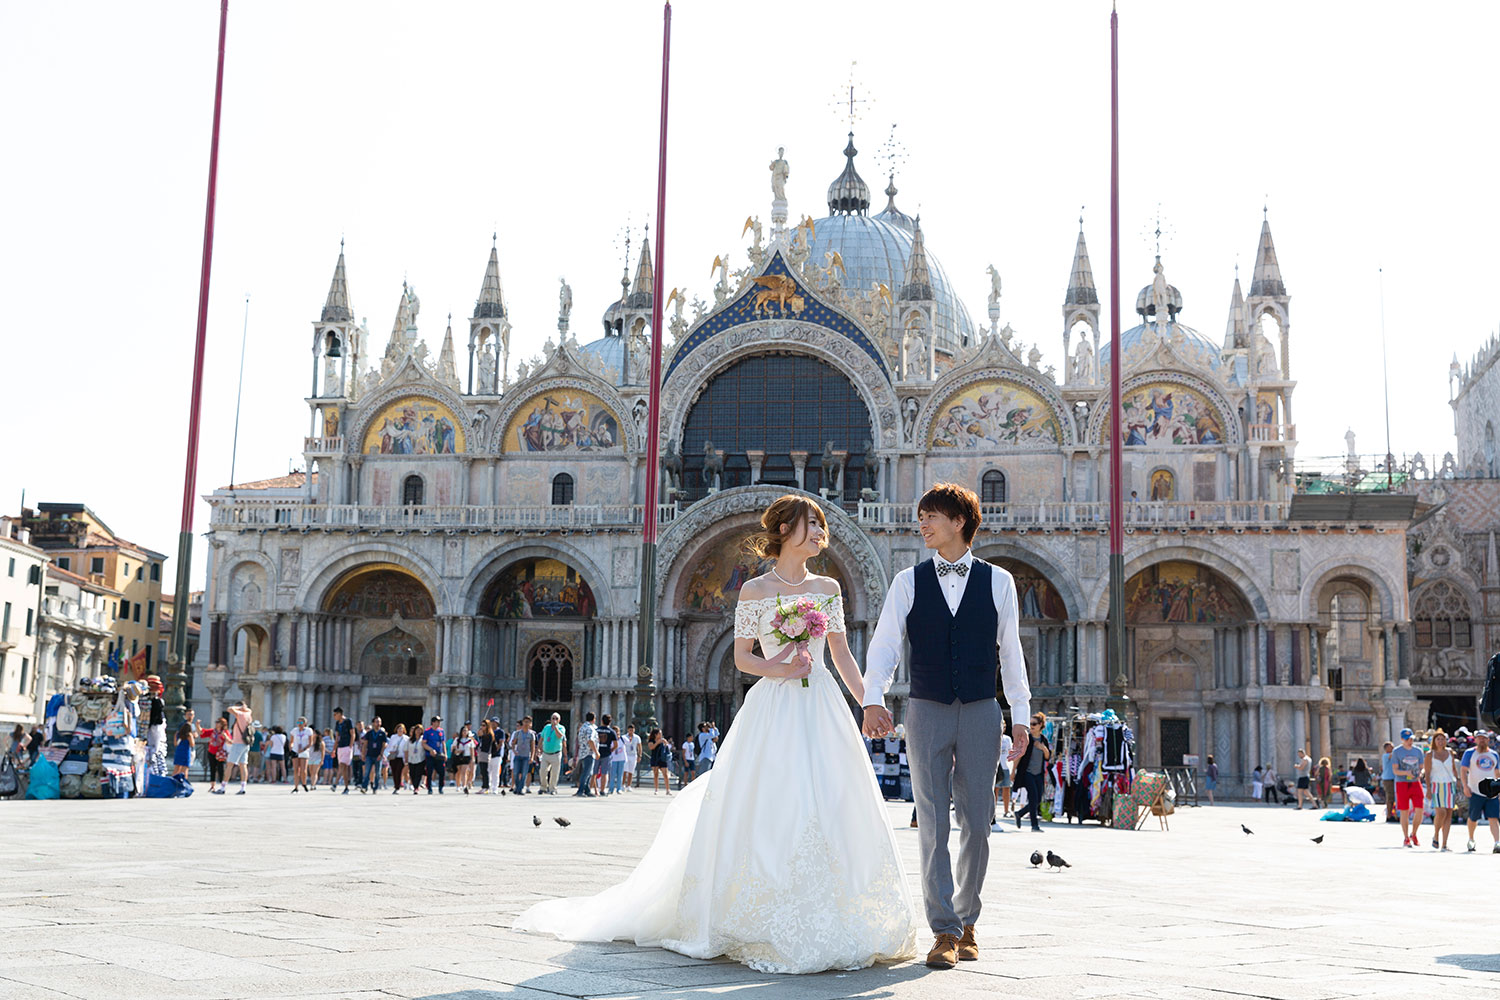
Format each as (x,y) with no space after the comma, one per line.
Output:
(968,948)
(944,953)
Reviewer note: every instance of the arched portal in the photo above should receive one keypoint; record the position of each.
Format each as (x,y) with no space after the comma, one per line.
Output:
(380,621)
(252,649)
(1189,631)
(549,685)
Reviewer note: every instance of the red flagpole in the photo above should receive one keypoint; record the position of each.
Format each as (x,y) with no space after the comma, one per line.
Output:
(1116,485)
(177,663)
(645,688)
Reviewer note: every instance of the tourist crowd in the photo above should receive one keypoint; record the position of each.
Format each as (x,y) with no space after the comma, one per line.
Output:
(601,758)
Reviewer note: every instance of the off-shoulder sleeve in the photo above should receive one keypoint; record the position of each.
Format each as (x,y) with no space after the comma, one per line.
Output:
(836,615)
(747,620)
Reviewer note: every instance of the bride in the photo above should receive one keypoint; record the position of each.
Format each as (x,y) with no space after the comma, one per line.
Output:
(782,856)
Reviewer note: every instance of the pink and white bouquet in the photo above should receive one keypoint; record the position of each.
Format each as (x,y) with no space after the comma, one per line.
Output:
(802,621)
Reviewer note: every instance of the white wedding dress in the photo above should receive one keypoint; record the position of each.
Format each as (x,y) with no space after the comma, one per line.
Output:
(782,857)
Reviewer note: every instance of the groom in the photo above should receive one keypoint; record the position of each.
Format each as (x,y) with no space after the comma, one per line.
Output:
(956,611)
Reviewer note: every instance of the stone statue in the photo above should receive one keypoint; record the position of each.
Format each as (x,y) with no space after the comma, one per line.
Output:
(331,382)
(779,173)
(1033,357)
(909,411)
(699,307)
(671,464)
(487,368)
(713,467)
(721,290)
(1083,362)
(752,226)
(994,286)
(831,468)
(564,303)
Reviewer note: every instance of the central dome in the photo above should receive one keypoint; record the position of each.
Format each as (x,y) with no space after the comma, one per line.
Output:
(876,248)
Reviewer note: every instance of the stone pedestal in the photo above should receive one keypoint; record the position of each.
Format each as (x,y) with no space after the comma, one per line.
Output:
(799,462)
(757,462)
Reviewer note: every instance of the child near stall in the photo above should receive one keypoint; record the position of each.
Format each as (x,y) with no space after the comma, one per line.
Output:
(182,751)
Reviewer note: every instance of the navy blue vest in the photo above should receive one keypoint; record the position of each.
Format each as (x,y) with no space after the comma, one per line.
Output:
(953,655)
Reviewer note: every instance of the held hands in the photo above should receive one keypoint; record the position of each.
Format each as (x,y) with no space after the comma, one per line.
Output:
(877,722)
(1020,736)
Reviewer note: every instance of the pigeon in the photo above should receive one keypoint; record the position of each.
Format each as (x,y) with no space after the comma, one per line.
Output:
(1318,839)
(1248,831)
(1036,858)
(560,821)
(1056,862)
(536,821)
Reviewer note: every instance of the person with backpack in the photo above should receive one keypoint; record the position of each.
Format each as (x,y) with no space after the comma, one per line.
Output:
(240,735)
(435,741)
(607,736)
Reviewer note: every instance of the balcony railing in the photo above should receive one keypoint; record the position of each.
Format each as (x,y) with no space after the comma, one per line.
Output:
(323,445)
(1273,432)
(1059,514)
(57,608)
(294,514)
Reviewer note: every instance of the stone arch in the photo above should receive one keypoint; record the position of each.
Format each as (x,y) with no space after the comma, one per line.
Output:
(409,380)
(1229,424)
(319,584)
(630,438)
(856,554)
(249,647)
(228,578)
(1175,668)
(951,387)
(1065,582)
(1313,599)
(1221,563)
(693,372)
(487,570)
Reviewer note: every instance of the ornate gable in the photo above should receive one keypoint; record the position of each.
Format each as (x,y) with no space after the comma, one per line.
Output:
(776,293)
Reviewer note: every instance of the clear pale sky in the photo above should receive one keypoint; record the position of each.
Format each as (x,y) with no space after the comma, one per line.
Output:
(415,130)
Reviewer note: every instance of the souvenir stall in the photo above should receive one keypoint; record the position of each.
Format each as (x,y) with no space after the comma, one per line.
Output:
(92,749)
(1093,763)
(888,757)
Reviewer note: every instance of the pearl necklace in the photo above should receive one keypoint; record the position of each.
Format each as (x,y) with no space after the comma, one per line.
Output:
(786,581)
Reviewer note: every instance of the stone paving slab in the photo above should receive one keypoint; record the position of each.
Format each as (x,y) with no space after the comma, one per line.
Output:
(413,897)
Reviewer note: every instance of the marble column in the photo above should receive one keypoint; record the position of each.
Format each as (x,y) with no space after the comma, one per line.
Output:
(799,462)
(757,462)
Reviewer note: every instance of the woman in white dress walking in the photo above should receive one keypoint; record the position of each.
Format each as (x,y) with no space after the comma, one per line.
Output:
(788,868)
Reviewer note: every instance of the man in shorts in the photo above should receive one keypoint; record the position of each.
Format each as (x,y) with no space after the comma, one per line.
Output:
(1406,765)
(239,743)
(1480,762)
(343,736)
(1303,770)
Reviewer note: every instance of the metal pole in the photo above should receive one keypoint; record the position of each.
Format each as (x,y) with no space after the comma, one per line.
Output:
(644,715)
(177,658)
(1116,486)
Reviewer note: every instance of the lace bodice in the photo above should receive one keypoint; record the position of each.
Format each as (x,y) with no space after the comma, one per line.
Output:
(752,618)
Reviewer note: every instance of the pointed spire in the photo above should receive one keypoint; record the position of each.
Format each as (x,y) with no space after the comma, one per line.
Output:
(1266,279)
(645,278)
(1237,330)
(1081,290)
(891,213)
(918,283)
(446,370)
(849,194)
(491,303)
(336,307)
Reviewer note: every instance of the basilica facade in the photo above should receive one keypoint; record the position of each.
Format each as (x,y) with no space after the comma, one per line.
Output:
(467,538)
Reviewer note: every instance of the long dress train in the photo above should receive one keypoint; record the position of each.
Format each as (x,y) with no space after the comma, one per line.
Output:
(781,857)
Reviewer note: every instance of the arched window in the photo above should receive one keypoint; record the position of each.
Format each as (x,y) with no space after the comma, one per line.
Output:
(551,673)
(778,404)
(992,487)
(1441,618)
(412,491)
(562,489)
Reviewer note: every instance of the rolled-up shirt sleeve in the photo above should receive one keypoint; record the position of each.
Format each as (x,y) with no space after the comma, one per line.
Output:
(889,640)
(1008,638)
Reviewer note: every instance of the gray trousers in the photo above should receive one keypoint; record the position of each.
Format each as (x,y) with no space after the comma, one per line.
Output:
(953,751)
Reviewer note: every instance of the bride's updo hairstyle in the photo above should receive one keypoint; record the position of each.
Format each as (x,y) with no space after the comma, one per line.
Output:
(791,512)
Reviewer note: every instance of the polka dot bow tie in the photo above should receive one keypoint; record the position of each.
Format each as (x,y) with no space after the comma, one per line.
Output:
(944,568)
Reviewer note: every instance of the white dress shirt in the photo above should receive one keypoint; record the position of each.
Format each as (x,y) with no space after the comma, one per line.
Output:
(889,640)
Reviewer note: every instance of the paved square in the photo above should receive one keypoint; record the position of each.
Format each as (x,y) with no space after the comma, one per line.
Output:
(274,895)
